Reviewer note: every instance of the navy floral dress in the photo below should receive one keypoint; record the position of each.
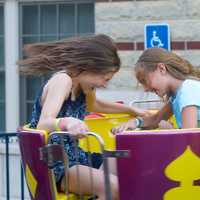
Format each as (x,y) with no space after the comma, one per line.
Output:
(76,109)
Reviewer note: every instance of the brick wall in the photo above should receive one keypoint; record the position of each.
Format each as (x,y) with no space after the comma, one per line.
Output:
(124,21)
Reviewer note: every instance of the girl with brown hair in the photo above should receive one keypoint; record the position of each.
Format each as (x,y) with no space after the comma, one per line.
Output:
(79,65)
(168,75)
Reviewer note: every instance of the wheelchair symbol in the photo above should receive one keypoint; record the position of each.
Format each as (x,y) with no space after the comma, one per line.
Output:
(155,41)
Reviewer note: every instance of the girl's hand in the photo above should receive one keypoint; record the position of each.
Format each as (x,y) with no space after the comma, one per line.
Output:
(130,125)
(140,112)
(75,126)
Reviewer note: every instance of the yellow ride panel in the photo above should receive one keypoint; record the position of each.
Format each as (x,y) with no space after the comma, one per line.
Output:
(102,125)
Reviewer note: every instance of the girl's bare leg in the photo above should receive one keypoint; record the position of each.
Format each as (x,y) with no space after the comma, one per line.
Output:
(85,182)
(112,163)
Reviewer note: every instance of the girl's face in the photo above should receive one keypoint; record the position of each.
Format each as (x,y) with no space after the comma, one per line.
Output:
(89,80)
(157,81)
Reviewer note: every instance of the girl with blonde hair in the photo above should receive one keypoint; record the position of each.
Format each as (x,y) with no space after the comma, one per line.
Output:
(168,75)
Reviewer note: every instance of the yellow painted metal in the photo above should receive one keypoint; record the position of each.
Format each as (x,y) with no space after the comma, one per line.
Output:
(102,126)
(63,196)
(31,180)
(185,170)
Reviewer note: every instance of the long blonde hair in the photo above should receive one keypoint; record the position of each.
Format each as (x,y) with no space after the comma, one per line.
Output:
(175,65)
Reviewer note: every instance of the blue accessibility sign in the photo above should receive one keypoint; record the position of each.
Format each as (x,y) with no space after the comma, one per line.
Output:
(157,35)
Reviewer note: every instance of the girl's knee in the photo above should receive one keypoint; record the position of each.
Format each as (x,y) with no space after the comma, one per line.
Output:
(101,191)
(114,187)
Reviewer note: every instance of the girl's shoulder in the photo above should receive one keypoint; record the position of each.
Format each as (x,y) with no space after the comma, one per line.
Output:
(60,78)
(59,84)
(189,90)
(62,74)
(190,85)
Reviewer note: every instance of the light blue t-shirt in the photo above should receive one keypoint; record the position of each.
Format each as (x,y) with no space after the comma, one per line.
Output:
(188,94)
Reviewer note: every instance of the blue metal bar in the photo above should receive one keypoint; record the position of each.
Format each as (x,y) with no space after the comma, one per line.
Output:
(7,169)
(6,137)
(22,183)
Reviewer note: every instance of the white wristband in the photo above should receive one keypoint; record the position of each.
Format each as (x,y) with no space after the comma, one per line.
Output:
(139,122)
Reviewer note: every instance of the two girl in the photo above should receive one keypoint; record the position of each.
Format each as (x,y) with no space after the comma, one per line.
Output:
(79,66)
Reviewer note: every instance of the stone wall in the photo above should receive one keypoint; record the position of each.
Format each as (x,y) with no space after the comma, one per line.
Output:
(124,21)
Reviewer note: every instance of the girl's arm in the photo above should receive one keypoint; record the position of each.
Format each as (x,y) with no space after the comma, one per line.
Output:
(96,105)
(150,121)
(163,114)
(109,107)
(189,117)
(58,89)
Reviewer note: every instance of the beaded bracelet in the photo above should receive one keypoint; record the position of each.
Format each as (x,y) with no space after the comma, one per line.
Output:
(57,124)
(62,124)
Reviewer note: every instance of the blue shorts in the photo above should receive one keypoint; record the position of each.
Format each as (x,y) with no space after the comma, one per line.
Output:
(75,156)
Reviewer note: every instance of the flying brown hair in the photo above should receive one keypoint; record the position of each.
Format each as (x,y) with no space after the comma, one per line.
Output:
(97,53)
